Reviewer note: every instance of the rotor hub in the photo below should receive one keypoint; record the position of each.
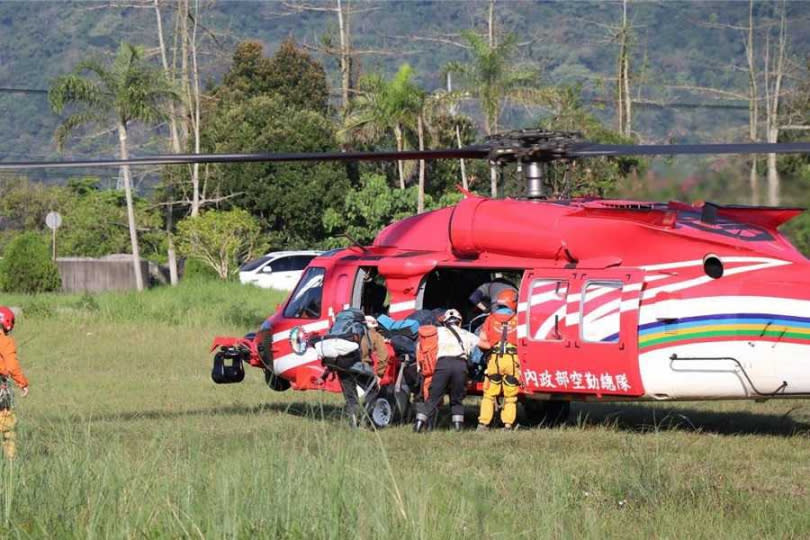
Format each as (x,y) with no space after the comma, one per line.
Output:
(532,150)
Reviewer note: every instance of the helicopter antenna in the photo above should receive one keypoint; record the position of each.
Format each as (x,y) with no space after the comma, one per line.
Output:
(354,241)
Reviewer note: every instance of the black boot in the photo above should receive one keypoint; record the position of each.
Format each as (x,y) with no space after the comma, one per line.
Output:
(421,423)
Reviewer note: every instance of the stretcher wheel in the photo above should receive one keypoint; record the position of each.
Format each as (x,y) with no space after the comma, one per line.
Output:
(384,411)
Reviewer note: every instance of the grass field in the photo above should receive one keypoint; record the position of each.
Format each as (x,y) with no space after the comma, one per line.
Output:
(125,436)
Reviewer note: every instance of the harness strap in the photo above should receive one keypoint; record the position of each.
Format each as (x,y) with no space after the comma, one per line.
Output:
(460,343)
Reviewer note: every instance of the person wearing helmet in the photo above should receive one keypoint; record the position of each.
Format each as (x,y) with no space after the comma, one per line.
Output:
(454,348)
(483,297)
(502,377)
(9,368)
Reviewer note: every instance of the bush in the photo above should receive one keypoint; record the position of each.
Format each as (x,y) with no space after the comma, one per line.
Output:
(194,269)
(27,266)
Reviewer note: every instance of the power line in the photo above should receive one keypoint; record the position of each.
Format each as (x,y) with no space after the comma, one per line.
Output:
(638,103)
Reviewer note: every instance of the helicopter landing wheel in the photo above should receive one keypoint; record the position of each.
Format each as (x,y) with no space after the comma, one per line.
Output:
(546,413)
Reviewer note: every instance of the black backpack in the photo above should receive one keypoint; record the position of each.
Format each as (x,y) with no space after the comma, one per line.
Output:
(427,316)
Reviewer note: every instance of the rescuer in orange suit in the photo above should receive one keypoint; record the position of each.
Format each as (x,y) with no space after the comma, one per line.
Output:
(499,336)
(9,368)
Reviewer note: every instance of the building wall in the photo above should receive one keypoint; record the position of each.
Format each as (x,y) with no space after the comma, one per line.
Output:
(85,274)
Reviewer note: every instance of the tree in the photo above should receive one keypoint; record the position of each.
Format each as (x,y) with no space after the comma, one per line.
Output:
(129,90)
(594,176)
(288,198)
(623,99)
(386,105)
(27,267)
(220,239)
(299,80)
(492,76)
(24,205)
(766,69)
(95,222)
(369,208)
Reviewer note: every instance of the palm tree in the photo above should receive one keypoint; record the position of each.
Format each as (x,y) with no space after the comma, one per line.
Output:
(126,91)
(386,105)
(492,77)
(430,107)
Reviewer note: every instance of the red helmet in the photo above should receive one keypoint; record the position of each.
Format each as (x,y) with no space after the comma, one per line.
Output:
(507,298)
(6,318)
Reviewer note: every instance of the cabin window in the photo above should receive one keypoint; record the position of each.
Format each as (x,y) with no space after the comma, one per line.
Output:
(547,302)
(306,300)
(600,311)
(370,293)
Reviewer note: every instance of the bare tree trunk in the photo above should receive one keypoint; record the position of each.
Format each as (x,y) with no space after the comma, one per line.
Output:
(195,74)
(400,166)
(171,254)
(773,95)
(623,105)
(175,138)
(491,20)
(420,200)
(493,181)
(133,231)
(344,29)
(189,92)
(176,52)
(753,104)
(628,119)
(773,173)
(464,183)
(453,109)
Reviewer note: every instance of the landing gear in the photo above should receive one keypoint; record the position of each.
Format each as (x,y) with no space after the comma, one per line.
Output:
(275,382)
(546,413)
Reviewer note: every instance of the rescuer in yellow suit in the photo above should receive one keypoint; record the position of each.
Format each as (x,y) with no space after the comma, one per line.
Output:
(9,368)
(499,336)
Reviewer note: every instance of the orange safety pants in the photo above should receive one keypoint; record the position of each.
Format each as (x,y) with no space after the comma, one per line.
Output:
(8,422)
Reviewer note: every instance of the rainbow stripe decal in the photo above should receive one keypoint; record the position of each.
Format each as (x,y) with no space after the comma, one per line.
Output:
(746,326)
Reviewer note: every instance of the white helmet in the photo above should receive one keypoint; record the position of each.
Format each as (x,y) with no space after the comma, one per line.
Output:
(451,316)
(371,322)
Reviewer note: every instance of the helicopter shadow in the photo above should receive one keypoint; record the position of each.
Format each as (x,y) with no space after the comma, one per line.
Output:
(314,411)
(636,418)
(639,418)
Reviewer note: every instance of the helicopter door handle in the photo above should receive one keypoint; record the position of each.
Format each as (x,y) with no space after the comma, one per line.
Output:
(576,344)
(621,346)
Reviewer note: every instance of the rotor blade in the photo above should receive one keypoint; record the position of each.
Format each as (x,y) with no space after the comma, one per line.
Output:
(592,150)
(174,159)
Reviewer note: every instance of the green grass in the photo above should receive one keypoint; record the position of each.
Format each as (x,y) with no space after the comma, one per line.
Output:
(194,303)
(125,436)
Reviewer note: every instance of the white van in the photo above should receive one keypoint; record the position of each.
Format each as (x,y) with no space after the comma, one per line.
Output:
(277,270)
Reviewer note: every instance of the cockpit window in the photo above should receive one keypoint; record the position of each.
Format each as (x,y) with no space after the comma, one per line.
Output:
(305,302)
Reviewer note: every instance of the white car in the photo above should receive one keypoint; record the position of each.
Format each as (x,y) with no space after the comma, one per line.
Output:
(277,270)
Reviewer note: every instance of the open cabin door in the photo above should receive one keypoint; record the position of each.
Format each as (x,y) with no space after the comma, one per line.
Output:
(578,331)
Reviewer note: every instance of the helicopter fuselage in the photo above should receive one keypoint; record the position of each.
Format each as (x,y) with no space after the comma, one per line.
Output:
(618,300)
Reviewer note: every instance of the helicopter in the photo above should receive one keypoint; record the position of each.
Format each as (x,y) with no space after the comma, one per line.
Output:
(618,300)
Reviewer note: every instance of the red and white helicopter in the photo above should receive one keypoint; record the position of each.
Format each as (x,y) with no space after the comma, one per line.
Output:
(618,299)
